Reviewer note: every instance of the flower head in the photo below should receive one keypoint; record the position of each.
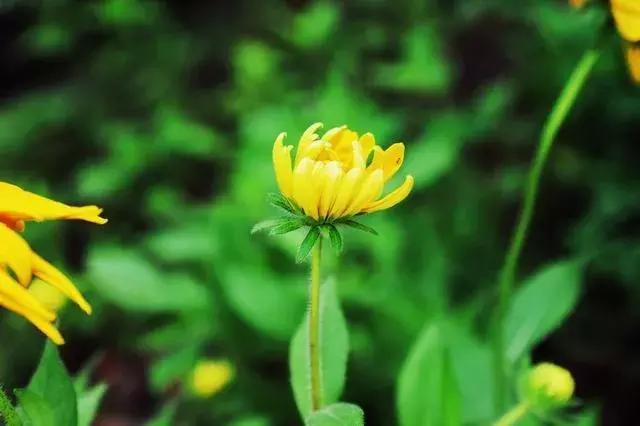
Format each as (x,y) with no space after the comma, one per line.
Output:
(548,386)
(331,176)
(19,264)
(210,376)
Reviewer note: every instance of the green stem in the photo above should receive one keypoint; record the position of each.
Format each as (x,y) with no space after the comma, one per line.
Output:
(513,415)
(558,114)
(7,412)
(314,327)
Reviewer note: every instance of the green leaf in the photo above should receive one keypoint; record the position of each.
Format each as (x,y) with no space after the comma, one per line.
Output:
(335,237)
(340,414)
(278,201)
(129,281)
(173,367)
(52,383)
(267,225)
(165,416)
(540,305)
(289,226)
(307,244)
(89,402)
(334,351)
(359,226)
(427,390)
(34,410)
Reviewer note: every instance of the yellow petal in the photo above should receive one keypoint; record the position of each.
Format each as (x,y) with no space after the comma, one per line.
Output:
(333,178)
(282,165)
(15,253)
(348,190)
(626,14)
(633,60)
(17,204)
(392,198)
(303,190)
(389,161)
(49,274)
(11,290)
(342,143)
(367,141)
(40,323)
(370,190)
(359,160)
(306,139)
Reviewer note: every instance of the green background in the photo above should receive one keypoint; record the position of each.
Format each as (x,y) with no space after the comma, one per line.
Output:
(164,113)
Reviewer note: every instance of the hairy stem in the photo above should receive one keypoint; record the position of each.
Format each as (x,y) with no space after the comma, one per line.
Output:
(7,412)
(557,116)
(314,327)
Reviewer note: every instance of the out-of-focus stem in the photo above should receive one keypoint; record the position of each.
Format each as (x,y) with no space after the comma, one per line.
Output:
(558,114)
(314,327)
(513,415)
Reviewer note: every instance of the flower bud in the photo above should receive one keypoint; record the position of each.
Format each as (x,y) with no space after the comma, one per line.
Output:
(547,386)
(209,377)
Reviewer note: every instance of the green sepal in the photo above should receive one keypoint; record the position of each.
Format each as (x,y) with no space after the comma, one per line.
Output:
(267,225)
(307,244)
(290,225)
(337,242)
(280,202)
(357,225)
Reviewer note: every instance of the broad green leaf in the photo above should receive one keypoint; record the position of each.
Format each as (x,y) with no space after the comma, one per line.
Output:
(427,390)
(540,305)
(33,409)
(307,244)
(89,402)
(131,282)
(52,383)
(314,25)
(173,367)
(334,351)
(340,414)
(359,226)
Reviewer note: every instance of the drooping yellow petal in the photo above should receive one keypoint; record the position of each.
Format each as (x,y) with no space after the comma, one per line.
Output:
(633,60)
(303,190)
(389,161)
(348,190)
(18,205)
(49,274)
(16,254)
(333,179)
(367,141)
(38,321)
(11,290)
(392,198)
(306,139)
(626,14)
(370,190)
(282,165)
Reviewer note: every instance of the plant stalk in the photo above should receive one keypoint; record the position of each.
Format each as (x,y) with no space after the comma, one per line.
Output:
(314,327)
(554,121)
(513,415)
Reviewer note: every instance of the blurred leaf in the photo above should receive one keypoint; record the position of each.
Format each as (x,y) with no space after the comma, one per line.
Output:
(340,414)
(179,134)
(540,305)
(251,421)
(132,283)
(89,402)
(165,416)
(184,243)
(173,367)
(52,384)
(334,351)
(427,390)
(271,304)
(34,410)
(315,25)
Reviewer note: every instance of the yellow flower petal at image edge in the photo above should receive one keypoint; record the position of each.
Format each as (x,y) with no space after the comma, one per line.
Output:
(19,264)
(331,178)
(626,14)
(18,205)
(210,376)
(633,61)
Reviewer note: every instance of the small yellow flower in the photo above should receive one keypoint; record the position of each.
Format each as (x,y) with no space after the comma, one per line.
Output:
(210,376)
(548,386)
(331,178)
(19,264)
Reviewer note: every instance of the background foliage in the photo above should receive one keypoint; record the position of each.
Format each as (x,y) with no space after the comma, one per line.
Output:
(164,113)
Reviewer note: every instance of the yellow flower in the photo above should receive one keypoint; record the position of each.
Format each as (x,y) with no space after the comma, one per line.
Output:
(331,178)
(19,264)
(548,386)
(210,376)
